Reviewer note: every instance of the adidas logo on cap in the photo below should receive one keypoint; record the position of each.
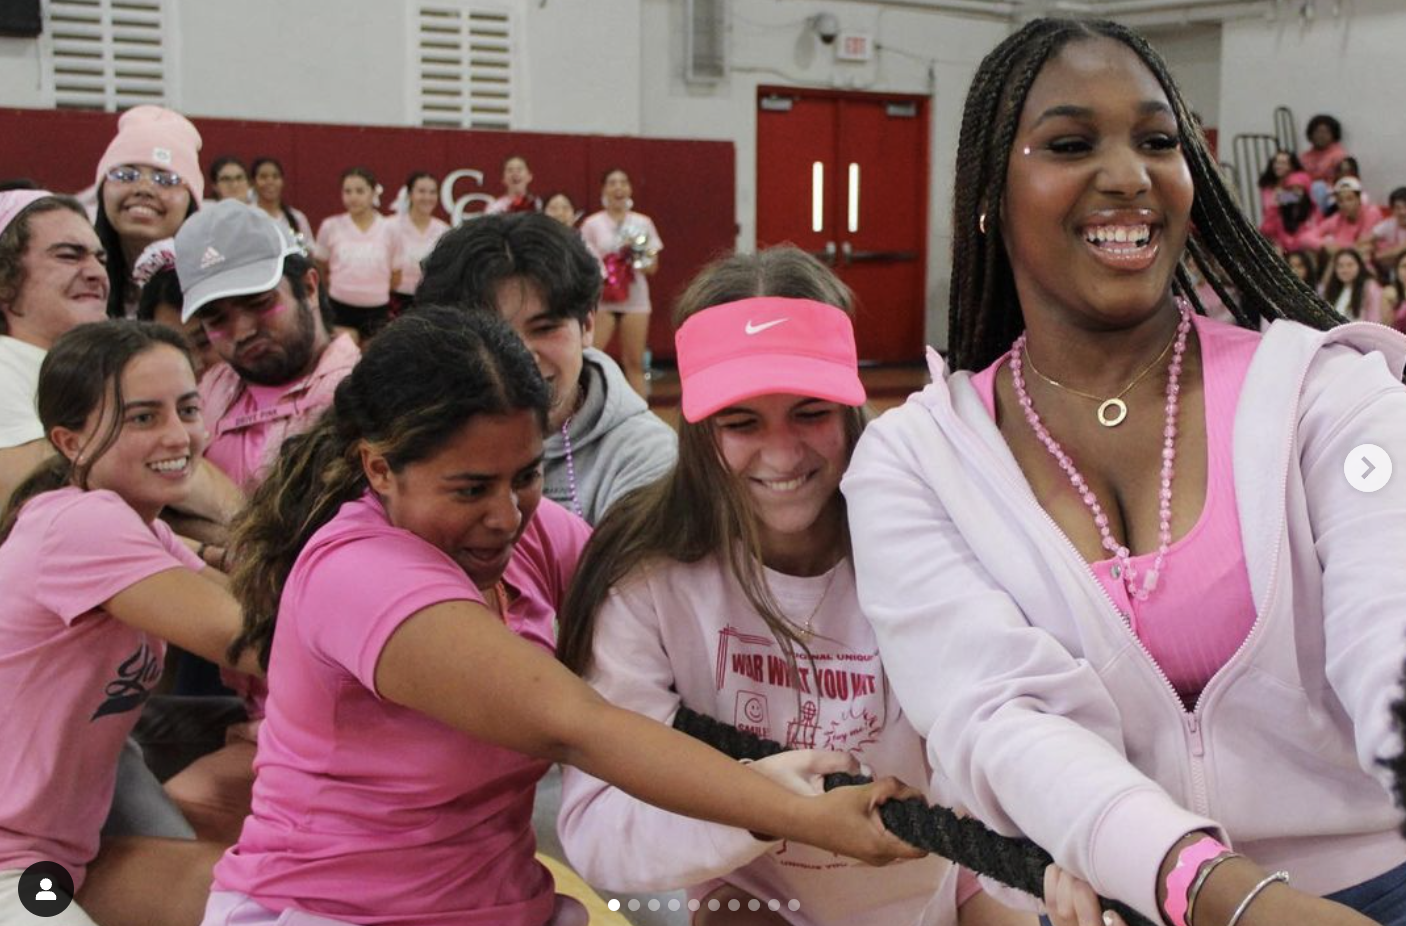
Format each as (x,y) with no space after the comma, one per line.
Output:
(210,258)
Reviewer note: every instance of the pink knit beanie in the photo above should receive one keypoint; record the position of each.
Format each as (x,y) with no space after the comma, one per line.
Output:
(152,136)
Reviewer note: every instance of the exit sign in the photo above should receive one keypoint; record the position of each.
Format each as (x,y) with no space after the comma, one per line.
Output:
(854,46)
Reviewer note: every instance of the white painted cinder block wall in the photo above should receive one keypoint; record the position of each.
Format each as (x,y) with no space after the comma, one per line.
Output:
(592,66)
(616,67)
(1347,66)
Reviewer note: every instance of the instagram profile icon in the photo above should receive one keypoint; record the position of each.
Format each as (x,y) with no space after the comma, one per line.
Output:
(45,889)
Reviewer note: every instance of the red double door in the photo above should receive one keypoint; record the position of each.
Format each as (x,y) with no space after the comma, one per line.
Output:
(845,176)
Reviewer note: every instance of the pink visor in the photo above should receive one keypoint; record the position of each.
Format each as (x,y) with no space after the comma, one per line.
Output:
(739,350)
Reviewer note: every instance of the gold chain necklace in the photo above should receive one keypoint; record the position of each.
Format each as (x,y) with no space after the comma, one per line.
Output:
(807,634)
(1119,407)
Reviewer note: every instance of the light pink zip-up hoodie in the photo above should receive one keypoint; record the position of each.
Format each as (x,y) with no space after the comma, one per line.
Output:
(1043,713)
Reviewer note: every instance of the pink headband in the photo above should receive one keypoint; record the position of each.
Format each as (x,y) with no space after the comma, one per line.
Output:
(13,202)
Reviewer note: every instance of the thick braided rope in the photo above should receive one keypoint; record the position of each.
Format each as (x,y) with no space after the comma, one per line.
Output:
(1017,863)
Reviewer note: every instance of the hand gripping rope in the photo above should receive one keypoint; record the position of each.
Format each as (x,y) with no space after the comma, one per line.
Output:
(1014,862)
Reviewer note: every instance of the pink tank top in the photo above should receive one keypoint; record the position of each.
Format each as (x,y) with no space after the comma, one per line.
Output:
(1203,609)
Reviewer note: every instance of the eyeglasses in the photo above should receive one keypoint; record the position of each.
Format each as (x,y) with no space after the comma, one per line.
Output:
(231,178)
(126,173)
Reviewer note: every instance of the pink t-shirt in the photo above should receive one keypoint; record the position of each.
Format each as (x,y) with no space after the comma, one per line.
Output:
(359,262)
(368,812)
(1203,609)
(1337,229)
(413,247)
(1320,164)
(76,677)
(1387,235)
(250,422)
(603,235)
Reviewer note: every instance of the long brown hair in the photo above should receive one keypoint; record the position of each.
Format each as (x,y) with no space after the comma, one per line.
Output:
(698,508)
(419,382)
(81,376)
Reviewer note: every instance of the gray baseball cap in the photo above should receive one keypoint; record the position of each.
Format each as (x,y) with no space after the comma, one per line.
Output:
(229,248)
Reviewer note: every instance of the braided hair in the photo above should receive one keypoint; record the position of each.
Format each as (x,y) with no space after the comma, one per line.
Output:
(1248,276)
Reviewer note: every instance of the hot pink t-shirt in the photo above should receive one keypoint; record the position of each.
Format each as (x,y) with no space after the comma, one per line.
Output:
(1203,608)
(414,246)
(359,262)
(368,812)
(76,677)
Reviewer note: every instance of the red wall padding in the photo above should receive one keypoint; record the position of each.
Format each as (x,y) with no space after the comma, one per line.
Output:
(687,187)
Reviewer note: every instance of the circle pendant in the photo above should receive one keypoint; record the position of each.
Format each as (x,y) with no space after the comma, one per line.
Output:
(1112,412)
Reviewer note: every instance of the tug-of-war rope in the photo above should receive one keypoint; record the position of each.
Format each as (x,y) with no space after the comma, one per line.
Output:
(1014,862)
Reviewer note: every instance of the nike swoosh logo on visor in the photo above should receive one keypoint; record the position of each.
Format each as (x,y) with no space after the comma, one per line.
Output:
(758,329)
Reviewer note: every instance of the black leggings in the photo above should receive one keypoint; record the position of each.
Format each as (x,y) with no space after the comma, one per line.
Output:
(367,320)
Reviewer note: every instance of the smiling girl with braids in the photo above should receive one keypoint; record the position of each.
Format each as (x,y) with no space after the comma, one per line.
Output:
(1117,576)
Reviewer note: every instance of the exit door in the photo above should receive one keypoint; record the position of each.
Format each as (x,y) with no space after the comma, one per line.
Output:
(845,177)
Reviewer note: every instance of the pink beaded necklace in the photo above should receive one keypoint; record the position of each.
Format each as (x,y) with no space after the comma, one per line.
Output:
(1169,453)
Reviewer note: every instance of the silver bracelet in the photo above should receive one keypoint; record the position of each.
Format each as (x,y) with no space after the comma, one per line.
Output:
(1255,892)
(1200,881)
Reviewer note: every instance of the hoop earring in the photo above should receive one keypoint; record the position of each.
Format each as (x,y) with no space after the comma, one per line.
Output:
(981,223)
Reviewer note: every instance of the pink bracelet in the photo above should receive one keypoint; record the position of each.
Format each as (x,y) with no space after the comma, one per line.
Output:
(1179,879)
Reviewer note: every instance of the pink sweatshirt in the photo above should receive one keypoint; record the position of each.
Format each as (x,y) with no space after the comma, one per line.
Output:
(685,633)
(1005,653)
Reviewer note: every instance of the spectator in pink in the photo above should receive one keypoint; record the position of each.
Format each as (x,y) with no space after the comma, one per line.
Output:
(357,253)
(1304,266)
(1325,134)
(1389,235)
(149,181)
(517,176)
(1353,224)
(416,231)
(628,245)
(1292,225)
(1272,181)
(268,196)
(95,585)
(1351,290)
(560,207)
(254,295)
